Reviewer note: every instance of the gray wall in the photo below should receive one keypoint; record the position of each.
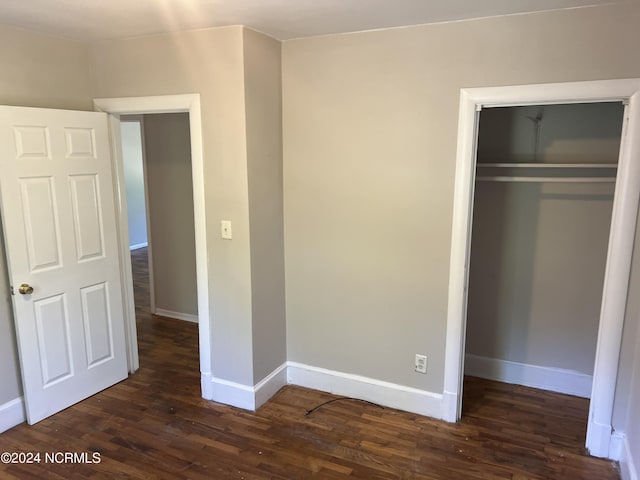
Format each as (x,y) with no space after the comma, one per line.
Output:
(37,71)
(43,71)
(170,193)
(11,385)
(539,249)
(370,129)
(208,62)
(213,63)
(263,106)
(131,135)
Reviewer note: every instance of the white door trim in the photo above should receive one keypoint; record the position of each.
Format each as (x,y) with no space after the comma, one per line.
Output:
(166,104)
(623,225)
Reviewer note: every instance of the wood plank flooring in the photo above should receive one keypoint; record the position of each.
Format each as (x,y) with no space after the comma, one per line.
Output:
(154,425)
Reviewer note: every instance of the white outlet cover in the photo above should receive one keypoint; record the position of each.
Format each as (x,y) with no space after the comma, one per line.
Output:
(421,363)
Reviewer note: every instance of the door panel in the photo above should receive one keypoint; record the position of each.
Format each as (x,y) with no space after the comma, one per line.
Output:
(32,142)
(59,219)
(80,143)
(87,217)
(40,218)
(97,324)
(52,326)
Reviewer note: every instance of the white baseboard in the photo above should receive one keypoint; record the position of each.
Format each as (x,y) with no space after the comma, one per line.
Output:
(138,245)
(187,317)
(388,394)
(233,393)
(599,439)
(554,379)
(449,407)
(244,396)
(269,386)
(616,445)
(628,467)
(206,385)
(11,414)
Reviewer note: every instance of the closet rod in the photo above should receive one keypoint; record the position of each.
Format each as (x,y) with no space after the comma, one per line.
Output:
(579,166)
(548,179)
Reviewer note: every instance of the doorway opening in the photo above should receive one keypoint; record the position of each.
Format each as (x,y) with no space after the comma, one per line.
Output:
(543,198)
(620,245)
(156,157)
(189,105)
(133,159)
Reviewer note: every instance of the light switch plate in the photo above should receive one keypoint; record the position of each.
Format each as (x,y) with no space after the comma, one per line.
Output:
(225,229)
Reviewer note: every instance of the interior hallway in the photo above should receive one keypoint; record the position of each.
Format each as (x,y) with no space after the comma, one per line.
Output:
(140,274)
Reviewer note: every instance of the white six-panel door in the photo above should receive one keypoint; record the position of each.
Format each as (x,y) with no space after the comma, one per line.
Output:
(60,233)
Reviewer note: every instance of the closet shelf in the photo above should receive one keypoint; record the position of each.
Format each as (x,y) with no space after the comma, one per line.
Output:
(547,179)
(559,176)
(548,165)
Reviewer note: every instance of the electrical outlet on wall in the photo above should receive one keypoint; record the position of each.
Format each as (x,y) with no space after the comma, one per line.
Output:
(421,363)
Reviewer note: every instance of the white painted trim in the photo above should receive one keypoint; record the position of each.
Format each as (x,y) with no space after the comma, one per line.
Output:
(171,104)
(149,104)
(12,413)
(187,317)
(460,249)
(233,393)
(599,437)
(558,380)
(383,393)
(616,445)
(269,386)
(628,465)
(138,246)
(449,406)
(206,386)
(622,234)
(616,279)
(120,188)
(244,396)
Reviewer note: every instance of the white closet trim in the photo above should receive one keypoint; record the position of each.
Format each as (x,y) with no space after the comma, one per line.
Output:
(625,210)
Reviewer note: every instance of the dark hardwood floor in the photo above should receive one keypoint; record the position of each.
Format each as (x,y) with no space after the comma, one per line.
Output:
(155,425)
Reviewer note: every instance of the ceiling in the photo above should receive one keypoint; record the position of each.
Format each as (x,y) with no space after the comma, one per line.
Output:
(89,20)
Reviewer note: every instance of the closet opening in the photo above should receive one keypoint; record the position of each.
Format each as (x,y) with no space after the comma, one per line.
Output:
(542,207)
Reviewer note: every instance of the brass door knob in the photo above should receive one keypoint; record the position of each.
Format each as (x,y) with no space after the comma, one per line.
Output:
(25,289)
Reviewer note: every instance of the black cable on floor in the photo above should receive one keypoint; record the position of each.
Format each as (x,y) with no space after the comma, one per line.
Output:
(309,412)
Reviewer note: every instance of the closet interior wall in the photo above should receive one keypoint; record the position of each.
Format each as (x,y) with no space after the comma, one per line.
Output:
(539,248)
